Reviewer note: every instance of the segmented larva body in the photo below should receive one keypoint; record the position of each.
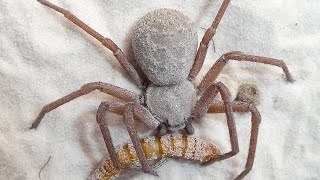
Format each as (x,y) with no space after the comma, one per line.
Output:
(173,145)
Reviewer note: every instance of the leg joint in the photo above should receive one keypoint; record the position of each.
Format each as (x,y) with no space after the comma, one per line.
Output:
(232,54)
(104,106)
(66,13)
(219,84)
(223,91)
(45,108)
(255,113)
(89,87)
(235,151)
(117,52)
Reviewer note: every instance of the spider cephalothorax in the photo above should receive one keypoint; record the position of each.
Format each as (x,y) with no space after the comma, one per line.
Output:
(165,48)
(171,105)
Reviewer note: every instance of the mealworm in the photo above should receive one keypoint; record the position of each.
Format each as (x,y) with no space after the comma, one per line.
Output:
(154,147)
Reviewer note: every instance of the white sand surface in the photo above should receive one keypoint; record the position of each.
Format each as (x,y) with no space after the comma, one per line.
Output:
(44,57)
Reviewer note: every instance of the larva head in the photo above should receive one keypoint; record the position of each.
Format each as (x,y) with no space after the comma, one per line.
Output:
(164,44)
(210,151)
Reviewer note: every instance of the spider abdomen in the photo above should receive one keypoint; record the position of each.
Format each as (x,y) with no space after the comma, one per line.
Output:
(171,105)
(164,44)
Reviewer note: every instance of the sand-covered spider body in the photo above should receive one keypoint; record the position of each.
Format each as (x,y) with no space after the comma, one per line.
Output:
(167,59)
(164,44)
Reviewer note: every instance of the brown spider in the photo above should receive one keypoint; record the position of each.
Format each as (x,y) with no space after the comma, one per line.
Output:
(165,48)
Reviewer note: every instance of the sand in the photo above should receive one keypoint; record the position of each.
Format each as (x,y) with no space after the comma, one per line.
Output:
(44,57)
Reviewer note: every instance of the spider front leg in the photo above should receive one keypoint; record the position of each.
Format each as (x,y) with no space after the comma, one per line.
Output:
(108,43)
(128,111)
(86,89)
(217,67)
(202,51)
(218,107)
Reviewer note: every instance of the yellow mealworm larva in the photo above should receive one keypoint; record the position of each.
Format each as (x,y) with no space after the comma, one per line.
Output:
(173,145)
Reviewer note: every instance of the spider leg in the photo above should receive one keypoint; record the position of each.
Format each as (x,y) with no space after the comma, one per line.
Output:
(128,110)
(201,54)
(118,109)
(128,121)
(85,89)
(217,67)
(202,107)
(255,120)
(108,43)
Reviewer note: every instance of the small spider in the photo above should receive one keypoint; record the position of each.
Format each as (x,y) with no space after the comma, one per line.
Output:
(168,58)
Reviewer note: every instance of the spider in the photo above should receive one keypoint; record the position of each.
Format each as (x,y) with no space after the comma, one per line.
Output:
(168,59)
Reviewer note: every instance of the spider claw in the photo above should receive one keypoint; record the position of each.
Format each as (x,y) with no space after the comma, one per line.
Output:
(33,126)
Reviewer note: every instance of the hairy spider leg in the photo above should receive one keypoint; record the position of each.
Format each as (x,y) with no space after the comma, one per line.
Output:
(128,110)
(86,89)
(217,67)
(108,43)
(203,47)
(202,107)
(218,107)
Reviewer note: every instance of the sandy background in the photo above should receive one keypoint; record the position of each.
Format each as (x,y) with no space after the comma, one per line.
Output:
(44,57)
